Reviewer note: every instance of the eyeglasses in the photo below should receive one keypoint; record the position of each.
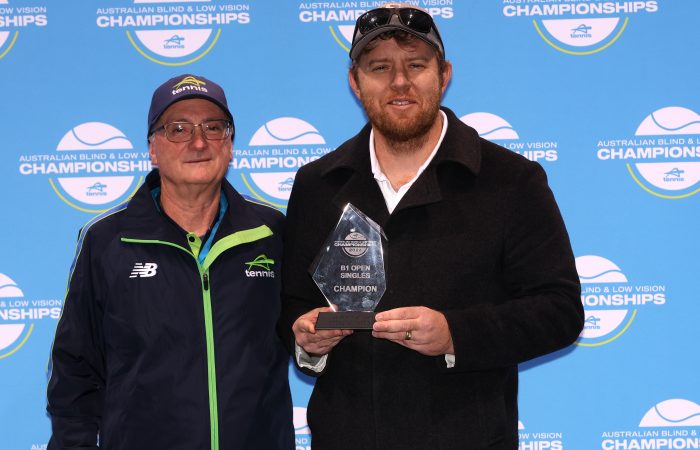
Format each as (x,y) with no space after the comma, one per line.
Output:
(415,19)
(213,130)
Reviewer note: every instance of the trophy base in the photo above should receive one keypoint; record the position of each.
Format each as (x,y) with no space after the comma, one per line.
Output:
(345,320)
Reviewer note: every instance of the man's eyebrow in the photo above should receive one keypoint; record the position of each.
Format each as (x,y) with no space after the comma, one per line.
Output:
(173,119)
(377,60)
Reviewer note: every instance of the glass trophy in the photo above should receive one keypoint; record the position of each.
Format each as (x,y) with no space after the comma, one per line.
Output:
(350,272)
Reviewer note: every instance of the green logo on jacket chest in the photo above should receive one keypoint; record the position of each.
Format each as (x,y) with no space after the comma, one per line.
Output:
(261,266)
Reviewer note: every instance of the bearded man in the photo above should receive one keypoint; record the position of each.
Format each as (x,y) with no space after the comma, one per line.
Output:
(480,275)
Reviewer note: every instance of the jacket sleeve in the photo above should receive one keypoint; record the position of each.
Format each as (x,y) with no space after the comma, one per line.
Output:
(77,373)
(543,311)
(299,293)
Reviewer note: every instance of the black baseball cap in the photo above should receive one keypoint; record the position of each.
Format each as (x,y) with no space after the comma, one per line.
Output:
(181,88)
(395,16)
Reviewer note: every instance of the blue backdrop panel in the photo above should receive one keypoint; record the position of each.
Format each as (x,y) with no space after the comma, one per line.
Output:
(604,94)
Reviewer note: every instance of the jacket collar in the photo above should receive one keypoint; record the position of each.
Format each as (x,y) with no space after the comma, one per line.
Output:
(145,221)
(460,147)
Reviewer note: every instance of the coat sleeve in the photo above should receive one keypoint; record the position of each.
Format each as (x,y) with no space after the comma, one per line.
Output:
(299,293)
(543,311)
(77,373)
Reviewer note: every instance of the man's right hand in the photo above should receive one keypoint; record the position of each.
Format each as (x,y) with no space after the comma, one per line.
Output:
(316,342)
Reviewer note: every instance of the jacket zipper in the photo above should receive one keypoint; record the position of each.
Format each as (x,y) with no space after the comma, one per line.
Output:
(226,243)
(211,361)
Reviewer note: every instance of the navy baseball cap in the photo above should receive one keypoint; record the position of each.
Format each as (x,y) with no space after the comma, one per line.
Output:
(181,88)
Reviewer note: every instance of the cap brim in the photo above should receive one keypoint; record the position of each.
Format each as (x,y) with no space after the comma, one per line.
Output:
(187,97)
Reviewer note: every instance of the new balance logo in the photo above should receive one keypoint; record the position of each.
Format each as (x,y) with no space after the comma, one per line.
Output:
(144,270)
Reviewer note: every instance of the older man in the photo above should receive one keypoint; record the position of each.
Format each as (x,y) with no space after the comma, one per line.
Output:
(479,270)
(167,339)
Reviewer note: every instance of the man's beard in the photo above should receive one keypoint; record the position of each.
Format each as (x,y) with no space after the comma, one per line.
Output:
(409,132)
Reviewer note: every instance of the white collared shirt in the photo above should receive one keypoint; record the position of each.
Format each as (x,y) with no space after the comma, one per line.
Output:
(391,196)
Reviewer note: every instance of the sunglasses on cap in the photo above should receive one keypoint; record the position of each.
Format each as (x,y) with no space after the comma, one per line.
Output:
(415,19)
(412,20)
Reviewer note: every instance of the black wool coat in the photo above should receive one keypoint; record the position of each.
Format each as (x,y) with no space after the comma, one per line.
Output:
(478,237)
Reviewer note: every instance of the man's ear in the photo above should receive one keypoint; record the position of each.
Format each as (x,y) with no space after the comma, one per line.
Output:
(446,75)
(353,83)
(152,152)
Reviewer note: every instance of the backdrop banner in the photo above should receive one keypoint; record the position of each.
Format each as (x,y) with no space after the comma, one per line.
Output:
(602,93)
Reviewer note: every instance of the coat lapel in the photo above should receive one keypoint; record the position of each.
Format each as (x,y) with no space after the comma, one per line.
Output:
(363,192)
(353,173)
(358,186)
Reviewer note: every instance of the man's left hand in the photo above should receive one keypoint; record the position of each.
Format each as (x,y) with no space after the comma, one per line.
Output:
(416,327)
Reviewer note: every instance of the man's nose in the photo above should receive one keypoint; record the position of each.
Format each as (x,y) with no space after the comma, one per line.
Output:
(198,140)
(400,79)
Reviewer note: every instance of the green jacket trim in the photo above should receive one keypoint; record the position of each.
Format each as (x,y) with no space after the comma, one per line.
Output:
(220,246)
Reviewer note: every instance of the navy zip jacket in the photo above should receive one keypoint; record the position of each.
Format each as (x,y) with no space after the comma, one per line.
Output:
(156,349)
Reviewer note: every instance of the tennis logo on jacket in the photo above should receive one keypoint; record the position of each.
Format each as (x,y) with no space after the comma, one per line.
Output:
(144,270)
(263,264)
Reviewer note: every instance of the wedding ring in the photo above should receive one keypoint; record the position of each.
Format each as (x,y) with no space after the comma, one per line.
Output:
(408,335)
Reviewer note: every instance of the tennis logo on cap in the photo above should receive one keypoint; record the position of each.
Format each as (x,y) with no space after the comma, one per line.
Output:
(189,83)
